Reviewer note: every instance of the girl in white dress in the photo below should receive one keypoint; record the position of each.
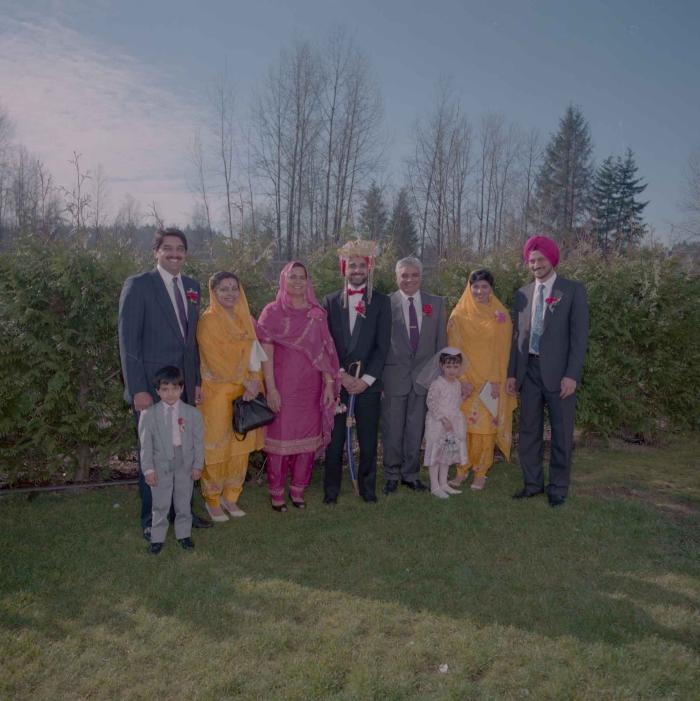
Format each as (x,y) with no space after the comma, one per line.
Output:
(445,430)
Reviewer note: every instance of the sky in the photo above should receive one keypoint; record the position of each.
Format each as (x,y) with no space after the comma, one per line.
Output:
(125,83)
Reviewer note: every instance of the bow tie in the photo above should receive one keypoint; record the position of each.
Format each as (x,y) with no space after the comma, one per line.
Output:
(361,291)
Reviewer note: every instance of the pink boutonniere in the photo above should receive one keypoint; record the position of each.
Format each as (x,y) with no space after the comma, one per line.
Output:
(361,309)
(181,424)
(427,309)
(500,317)
(192,296)
(552,302)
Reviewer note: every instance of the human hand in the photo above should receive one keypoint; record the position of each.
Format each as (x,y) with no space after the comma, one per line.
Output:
(446,424)
(568,387)
(359,386)
(198,397)
(347,380)
(142,400)
(252,387)
(511,387)
(467,389)
(274,399)
(495,390)
(328,395)
(150,478)
(196,474)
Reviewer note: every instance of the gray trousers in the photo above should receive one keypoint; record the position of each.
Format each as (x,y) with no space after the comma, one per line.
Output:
(533,397)
(174,487)
(403,423)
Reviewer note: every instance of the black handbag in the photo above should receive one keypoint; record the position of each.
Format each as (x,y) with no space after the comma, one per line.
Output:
(250,415)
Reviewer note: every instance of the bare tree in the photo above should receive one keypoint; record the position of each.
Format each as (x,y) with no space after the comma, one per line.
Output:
(224,103)
(200,185)
(690,203)
(99,196)
(77,199)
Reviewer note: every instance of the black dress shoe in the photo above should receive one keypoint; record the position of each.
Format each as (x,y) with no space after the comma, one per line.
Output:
(155,548)
(555,500)
(186,543)
(147,534)
(281,508)
(200,521)
(415,485)
(330,500)
(524,494)
(369,498)
(390,486)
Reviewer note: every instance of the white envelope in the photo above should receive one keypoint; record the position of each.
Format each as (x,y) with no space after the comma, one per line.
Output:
(487,400)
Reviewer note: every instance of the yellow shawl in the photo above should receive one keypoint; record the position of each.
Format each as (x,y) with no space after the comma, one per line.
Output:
(483,333)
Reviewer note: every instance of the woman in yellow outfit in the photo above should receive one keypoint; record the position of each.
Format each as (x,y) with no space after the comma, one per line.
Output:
(230,358)
(481,328)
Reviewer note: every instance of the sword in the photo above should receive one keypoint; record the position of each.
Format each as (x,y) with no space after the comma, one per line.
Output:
(349,423)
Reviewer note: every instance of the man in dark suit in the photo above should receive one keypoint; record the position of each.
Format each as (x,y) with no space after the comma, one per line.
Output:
(158,313)
(549,345)
(418,332)
(360,323)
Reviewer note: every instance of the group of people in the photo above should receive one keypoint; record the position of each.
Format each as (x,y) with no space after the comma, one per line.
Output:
(358,359)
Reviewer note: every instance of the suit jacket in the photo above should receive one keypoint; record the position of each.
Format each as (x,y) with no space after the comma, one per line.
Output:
(156,440)
(564,338)
(150,337)
(371,336)
(402,364)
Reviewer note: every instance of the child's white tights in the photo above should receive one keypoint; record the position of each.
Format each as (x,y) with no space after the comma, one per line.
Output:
(438,481)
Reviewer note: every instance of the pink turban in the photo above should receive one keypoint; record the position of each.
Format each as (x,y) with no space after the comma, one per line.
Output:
(545,245)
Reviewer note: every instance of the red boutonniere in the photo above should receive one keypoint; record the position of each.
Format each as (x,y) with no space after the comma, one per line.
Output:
(361,309)
(500,317)
(552,302)
(192,296)
(427,309)
(181,424)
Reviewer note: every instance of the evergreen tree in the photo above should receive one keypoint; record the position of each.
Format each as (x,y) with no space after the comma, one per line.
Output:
(401,229)
(373,216)
(617,212)
(563,185)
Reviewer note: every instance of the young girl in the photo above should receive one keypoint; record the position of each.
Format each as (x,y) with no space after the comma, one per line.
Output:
(445,430)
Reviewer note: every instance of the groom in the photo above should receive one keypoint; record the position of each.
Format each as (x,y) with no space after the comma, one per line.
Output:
(549,346)
(360,324)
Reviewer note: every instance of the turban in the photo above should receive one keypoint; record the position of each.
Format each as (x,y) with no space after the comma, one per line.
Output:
(545,246)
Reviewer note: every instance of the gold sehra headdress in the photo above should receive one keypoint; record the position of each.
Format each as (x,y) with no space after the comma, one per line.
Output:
(363,248)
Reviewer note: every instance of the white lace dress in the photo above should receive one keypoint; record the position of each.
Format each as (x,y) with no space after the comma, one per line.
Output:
(443,447)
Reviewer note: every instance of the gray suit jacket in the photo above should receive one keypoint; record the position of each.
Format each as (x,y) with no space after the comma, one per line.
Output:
(156,439)
(150,337)
(564,339)
(402,364)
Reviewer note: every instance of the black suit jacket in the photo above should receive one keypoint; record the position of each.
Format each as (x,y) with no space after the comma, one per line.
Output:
(371,336)
(150,336)
(564,338)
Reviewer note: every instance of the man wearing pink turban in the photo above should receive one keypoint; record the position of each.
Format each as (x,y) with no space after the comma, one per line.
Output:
(546,360)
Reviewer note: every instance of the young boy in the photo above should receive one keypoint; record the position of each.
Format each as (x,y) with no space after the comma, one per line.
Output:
(171,434)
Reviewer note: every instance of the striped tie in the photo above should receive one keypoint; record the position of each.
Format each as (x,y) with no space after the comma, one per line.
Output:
(538,323)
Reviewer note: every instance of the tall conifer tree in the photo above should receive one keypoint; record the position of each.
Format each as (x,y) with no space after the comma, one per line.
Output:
(402,229)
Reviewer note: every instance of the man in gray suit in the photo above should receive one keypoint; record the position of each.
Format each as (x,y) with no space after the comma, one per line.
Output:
(549,346)
(418,332)
(158,313)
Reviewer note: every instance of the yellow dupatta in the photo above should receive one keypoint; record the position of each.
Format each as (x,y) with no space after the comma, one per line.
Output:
(483,333)
(225,345)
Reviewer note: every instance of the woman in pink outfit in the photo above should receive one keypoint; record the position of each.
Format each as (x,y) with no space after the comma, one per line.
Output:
(302,382)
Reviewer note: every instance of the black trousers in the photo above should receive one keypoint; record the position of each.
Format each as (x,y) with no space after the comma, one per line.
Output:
(367,410)
(533,398)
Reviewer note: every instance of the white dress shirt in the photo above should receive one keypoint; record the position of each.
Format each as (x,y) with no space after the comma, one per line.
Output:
(405,304)
(168,281)
(548,286)
(352,312)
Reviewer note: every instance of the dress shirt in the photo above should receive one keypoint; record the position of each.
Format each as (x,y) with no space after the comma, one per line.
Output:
(168,281)
(548,286)
(419,309)
(352,310)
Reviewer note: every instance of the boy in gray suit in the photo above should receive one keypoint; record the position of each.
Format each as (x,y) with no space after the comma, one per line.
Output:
(171,435)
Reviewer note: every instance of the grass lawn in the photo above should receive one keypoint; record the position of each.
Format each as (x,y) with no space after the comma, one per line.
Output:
(597,600)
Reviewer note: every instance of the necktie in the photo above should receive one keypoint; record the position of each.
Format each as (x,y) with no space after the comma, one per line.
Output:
(412,325)
(538,324)
(361,291)
(171,414)
(180,307)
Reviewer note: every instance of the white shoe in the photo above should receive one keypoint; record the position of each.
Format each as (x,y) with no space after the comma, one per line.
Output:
(217,515)
(233,509)
(450,490)
(440,494)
